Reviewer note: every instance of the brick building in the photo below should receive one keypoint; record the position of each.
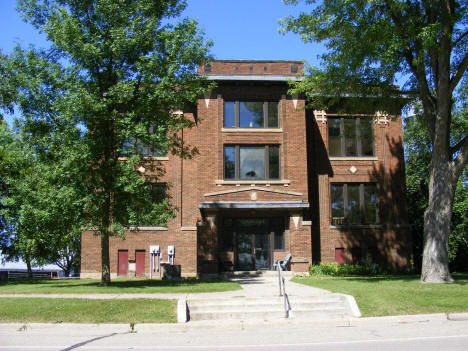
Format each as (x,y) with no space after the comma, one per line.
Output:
(272,178)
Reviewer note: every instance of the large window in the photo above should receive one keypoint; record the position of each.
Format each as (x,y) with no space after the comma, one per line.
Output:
(154,148)
(250,162)
(353,203)
(348,136)
(251,114)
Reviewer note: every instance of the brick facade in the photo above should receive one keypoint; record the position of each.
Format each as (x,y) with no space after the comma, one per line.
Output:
(301,195)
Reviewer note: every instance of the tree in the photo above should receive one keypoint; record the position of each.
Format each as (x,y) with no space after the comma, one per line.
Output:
(41,207)
(370,44)
(133,67)
(418,159)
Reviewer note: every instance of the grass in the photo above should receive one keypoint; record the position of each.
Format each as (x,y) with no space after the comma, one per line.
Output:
(397,294)
(118,286)
(87,311)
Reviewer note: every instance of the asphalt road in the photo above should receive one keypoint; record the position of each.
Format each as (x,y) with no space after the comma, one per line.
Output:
(422,333)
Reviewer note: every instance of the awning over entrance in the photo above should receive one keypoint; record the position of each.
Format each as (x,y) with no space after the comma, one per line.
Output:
(253,205)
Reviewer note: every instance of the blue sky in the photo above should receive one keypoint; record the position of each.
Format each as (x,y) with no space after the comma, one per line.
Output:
(239,29)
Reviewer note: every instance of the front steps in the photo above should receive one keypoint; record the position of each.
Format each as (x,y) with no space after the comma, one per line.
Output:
(264,308)
(260,301)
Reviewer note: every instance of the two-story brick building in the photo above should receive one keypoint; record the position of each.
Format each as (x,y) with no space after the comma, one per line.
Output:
(273,178)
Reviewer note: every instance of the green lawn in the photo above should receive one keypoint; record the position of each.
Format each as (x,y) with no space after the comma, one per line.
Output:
(87,311)
(396,295)
(118,286)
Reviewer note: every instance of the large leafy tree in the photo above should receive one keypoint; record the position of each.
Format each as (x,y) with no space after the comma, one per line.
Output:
(418,159)
(370,44)
(133,65)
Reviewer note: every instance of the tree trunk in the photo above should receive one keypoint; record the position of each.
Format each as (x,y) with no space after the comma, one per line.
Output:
(105,262)
(28,266)
(437,218)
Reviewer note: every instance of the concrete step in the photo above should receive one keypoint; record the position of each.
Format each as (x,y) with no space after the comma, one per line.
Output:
(263,308)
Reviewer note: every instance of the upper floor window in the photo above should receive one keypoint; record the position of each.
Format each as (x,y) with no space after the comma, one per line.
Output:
(348,136)
(135,145)
(251,114)
(249,162)
(353,203)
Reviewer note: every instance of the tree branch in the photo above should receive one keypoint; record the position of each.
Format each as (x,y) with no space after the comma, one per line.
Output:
(462,158)
(458,73)
(457,146)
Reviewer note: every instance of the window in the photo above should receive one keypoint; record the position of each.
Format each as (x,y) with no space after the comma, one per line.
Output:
(251,114)
(353,203)
(349,136)
(153,149)
(250,162)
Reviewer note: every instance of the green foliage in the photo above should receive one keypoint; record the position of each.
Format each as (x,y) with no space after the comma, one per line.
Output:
(345,270)
(115,70)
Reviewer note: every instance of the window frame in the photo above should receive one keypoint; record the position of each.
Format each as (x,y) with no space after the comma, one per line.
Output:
(362,205)
(357,138)
(266,161)
(265,114)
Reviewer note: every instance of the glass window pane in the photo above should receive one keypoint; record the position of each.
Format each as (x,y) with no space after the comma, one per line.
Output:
(252,162)
(229,115)
(279,240)
(370,203)
(367,137)
(273,114)
(251,114)
(354,212)
(337,204)
(274,162)
(229,162)
(350,137)
(334,138)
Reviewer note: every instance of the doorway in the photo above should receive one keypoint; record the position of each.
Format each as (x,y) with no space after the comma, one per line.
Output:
(253,251)
(252,241)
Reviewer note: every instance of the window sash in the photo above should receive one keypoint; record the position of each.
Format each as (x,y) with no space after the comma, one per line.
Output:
(268,158)
(359,214)
(232,114)
(349,142)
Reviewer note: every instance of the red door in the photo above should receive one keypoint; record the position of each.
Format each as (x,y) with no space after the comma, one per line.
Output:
(140,262)
(122,262)
(339,255)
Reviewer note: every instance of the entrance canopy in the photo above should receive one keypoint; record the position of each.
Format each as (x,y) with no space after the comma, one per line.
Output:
(253,205)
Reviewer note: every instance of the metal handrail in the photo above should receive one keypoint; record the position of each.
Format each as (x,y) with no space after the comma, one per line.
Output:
(282,291)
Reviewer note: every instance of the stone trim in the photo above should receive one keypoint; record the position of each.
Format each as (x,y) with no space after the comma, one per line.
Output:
(363,158)
(252,183)
(254,130)
(188,228)
(320,116)
(307,223)
(381,117)
(149,228)
(252,188)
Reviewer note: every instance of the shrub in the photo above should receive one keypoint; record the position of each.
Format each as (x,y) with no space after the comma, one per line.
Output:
(367,267)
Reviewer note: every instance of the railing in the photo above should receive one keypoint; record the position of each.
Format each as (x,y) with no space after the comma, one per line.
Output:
(282,291)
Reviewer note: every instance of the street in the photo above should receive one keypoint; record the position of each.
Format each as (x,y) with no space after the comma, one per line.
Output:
(424,332)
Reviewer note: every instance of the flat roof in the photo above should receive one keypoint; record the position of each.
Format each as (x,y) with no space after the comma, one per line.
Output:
(265,61)
(252,77)
(253,204)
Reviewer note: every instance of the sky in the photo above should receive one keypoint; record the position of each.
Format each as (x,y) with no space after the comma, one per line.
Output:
(239,29)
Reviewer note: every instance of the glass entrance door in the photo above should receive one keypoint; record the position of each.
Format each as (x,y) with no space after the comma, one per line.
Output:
(262,251)
(245,259)
(253,251)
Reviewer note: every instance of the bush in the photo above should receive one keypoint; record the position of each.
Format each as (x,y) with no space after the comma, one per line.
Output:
(367,267)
